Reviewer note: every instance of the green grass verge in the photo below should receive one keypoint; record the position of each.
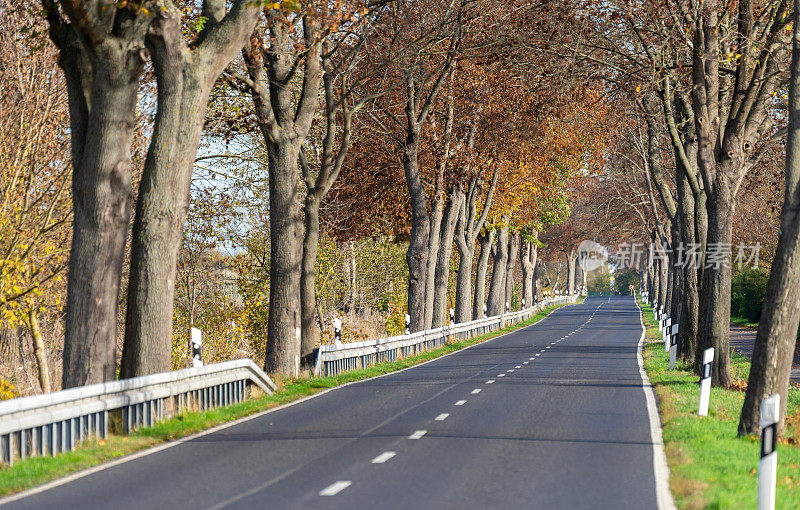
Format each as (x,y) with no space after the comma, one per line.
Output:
(744,322)
(711,467)
(36,471)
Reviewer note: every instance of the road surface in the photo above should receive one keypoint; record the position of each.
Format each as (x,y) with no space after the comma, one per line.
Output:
(550,416)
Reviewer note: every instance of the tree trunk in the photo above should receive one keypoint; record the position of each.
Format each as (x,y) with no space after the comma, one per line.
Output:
(511,266)
(285,115)
(716,307)
(434,245)
(486,241)
(777,328)
(39,351)
(466,252)
(101,123)
(308,291)
(184,81)
(417,254)
(442,270)
(538,269)
(529,253)
(690,304)
(571,272)
(497,288)
(283,341)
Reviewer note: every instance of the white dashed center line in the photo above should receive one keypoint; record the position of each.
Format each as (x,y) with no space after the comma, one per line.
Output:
(501,375)
(518,366)
(510,370)
(380,459)
(460,403)
(335,488)
(525,362)
(490,381)
(418,434)
(476,391)
(442,417)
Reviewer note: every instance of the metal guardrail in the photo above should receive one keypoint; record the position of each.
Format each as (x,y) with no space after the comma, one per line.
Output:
(335,359)
(56,422)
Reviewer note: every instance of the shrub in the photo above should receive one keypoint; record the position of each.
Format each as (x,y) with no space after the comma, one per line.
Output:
(747,293)
(7,390)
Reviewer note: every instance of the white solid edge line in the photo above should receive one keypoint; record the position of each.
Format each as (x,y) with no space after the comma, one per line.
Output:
(418,434)
(442,416)
(335,488)
(380,459)
(660,467)
(164,446)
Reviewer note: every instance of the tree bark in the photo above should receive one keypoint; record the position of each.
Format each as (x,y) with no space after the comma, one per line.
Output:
(284,116)
(308,291)
(102,63)
(571,272)
(777,329)
(511,266)
(486,241)
(529,254)
(184,77)
(39,351)
(468,227)
(497,287)
(442,270)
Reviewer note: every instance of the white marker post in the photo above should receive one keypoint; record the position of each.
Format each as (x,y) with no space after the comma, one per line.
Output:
(484,309)
(337,331)
(660,320)
(705,381)
(768,465)
(197,347)
(452,316)
(523,303)
(673,346)
(508,306)
(667,329)
(408,324)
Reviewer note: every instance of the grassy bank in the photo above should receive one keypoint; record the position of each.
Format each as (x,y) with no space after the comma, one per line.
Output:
(36,471)
(710,467)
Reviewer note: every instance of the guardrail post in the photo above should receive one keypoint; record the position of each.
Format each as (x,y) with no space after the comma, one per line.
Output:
(768,465)
(197,346)
(705,381)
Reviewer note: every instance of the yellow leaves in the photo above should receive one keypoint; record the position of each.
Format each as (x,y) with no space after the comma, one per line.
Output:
(7,390)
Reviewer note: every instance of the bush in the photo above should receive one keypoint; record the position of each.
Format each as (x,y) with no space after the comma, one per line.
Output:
(747,293)
(7,390)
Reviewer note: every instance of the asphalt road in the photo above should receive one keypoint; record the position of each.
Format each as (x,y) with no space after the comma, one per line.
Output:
(551,416)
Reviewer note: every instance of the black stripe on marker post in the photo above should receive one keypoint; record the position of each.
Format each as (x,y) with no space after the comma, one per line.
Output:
(706,372)
(673,340)
(769,436)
